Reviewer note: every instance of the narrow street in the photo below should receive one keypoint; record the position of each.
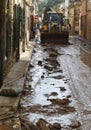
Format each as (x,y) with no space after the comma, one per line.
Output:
(45,65)
(57,89)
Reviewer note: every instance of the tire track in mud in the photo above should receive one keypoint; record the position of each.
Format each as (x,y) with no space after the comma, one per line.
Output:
(80,84)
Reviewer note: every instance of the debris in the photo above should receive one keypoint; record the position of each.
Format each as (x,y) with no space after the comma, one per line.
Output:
(69,96)
(57,126)
(27,125)
(57,101)
(42,124)
(42,76)
(40,63)
(75,124)
(58,77)
(62,89)
(11,92)
(31,66)
(48,68)
(54,93)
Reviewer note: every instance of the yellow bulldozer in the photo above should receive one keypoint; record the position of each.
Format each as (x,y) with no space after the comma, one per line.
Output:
(54,29)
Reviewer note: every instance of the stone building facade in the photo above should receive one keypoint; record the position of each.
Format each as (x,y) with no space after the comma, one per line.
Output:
(71,19)
(74,9)
(85,30)
(74,17)
(2,37)
(83,19)
(88,15)
(15,30)
(77,9)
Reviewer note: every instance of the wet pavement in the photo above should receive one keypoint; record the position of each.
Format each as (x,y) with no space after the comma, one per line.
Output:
(47,99)
(56,93)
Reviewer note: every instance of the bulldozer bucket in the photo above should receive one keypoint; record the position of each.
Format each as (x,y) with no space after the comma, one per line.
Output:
(54,37)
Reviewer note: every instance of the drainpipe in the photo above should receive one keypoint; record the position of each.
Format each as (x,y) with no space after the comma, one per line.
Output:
(2,37)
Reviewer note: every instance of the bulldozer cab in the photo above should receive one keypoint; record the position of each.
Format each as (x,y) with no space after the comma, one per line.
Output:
(54,17)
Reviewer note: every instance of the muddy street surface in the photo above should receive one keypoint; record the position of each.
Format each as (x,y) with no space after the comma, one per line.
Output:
(57,88)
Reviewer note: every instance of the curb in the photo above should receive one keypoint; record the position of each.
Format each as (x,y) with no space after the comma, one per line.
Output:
(16,78)
(9,105)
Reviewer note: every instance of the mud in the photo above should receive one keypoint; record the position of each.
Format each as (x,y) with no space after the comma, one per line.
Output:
(47,102)
(10,123)
(3,127)
(57,101)
(44,125)
(56,94)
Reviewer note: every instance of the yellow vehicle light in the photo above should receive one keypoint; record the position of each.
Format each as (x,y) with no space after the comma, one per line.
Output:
(45,27)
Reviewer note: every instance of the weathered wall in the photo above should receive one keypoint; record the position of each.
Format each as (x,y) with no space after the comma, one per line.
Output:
(83,8)
(86,19)
(74,17)
(77,17)
(83,19)
(2,37)
(14,35)
(71,19)
(88,16)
